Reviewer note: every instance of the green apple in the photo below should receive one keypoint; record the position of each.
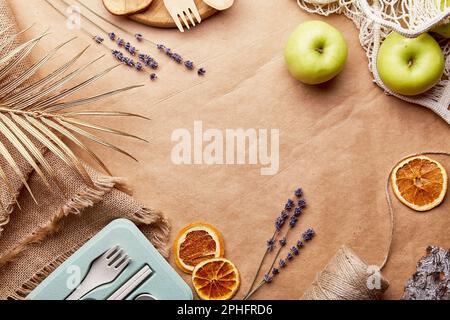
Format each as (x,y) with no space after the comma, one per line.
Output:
(316,52)
(443,30)
(410,66)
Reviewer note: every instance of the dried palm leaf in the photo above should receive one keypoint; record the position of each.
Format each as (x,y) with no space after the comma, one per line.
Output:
(34,114)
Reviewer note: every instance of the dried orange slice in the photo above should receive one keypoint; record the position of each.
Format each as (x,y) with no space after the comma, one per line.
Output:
(420,183)
(195,243)
(216,279)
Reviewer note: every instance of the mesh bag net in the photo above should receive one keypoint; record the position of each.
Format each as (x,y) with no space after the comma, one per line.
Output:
(377,18)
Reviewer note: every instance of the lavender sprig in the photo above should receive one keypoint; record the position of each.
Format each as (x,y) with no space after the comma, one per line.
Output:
(175,56)
(98,39)
(292,223)
(145,59)
(131,63)
(290,256)
(148,61)
(280,221)
(113,37)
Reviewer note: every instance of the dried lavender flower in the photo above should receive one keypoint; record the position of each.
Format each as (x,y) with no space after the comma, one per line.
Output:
(153,64)
(139,37)
(293,221)
(189,65)
(270,245)
(201,72)
(177,58)
(161,47)
(98,39)
(139,66)
(273,271)
(120,42)
(268,278)
(132,50)
(302,204)
(289,204)
(112,36)
(308,234)
(279,223)
(153,77)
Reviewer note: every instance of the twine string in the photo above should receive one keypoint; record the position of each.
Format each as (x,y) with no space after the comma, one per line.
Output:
(347,277)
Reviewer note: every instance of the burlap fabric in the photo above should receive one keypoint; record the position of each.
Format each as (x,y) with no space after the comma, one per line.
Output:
(7,199)
(35,239)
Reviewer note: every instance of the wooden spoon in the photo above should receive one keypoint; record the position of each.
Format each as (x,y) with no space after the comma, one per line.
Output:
(126,7)
(219,4)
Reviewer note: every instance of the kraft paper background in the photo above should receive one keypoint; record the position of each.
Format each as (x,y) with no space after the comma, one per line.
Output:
(338,141)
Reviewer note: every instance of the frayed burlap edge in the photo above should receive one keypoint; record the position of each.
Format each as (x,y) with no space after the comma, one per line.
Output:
(88,198)
(8,209)
(84,199)
(158,232)
(26,288)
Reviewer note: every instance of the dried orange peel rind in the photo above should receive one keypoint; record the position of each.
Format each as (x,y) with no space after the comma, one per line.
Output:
(196,243)
(420,183)
(216,279)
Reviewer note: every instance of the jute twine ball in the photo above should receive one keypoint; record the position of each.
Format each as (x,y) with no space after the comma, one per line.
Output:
(347,277)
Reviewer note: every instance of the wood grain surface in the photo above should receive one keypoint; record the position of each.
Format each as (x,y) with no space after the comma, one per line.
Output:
(158,16)
(125,7)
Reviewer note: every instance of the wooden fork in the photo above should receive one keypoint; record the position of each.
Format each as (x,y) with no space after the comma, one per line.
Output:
(182,10)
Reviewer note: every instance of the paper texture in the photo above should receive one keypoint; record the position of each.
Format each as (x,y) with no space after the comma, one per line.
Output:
(338,141)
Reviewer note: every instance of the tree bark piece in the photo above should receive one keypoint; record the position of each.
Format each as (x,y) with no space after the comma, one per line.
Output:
(431,281)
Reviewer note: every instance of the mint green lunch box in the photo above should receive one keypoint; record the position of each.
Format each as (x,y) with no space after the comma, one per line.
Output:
(163,283)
